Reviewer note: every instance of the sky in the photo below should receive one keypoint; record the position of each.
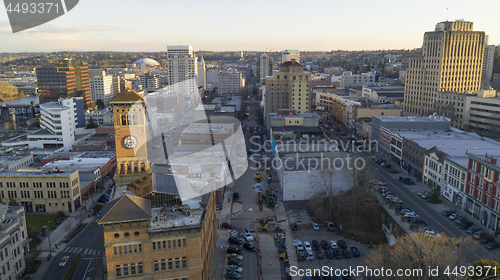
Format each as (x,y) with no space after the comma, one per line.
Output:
(152,25)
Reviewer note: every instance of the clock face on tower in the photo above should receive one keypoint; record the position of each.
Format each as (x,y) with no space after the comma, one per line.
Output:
(129,142)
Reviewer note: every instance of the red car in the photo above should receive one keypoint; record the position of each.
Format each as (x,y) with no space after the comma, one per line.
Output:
(227,225)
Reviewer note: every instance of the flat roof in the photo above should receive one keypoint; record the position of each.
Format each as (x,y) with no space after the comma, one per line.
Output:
(35,172)
(54,106)
(430,118)
(173,217)
(304,115)
(302,129)
(98,154)
(89,143)
(216,128)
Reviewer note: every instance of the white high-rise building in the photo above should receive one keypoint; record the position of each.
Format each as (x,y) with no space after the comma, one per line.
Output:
(264,66)
(101,86)
(202,76)
(487,71)
(182,70)
(230,81)
(289,55)
(150,81)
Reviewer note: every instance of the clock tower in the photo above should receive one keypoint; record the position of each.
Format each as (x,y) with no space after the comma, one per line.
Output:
(129,116)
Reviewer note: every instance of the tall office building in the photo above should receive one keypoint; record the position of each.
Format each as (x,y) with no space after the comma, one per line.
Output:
(116,85)
(451,60)
(202,76)
(230,81)
(150,81)
(264,66)
(290,88)
(487,71)
(65,78)
(101,86)
(290,55)
(182,69)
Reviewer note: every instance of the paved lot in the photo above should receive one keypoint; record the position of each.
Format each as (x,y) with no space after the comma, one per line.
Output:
(306,233)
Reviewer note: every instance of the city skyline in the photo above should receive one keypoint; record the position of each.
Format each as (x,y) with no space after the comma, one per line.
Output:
(223,26)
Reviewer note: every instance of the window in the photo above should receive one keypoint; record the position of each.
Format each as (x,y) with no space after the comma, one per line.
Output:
(125,270)
(139,268)
(115,250)
(154,246)
(156,267)
(184,262)
(164,245)
(163,265)
(169,244)
(132,269)
(140,247)
(170,264)
(177,263)
(118,271)
(184,242)
(178,243)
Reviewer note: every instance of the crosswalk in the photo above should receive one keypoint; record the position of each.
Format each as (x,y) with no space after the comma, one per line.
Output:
(84,251)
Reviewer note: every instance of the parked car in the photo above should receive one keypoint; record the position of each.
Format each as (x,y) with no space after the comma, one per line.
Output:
(333,244)
(419,221)
(227,225)
(464,223)
(64,261)
(342,244)
(329,254)
(346,254)
(233,267)
(294,227)
(315,244)
(472,229)
(486,238)
(337,253)
(310,256)
(233,250)
(315,226)
(330,226)
(447,213)
(235,256)
(233,275)
(409,215)
(247,235)
(234,240)
(355,252)
(478,234)
(453,216)
(426,195)
(234,261)
(319,254)
(299,245)
(249,247)
(307,246)
(493,245)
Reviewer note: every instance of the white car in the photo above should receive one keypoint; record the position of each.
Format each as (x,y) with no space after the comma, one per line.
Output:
(63,261)
(315,226)
(453,216)
(247,235)
(333,244)
(298,244)
(307,246)
(234,267)
(410,215)
(310,256)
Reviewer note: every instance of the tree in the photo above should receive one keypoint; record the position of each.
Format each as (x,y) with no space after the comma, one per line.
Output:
(100,104)
(419,251)
(92,123)
(490,269)
(13,202)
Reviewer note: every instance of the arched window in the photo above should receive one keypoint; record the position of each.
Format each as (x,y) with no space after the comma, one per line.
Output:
(177,263)
(132,269)
(118,271)
(163,265)
(139,268)
(125,270)
(170,264)
(184,262)
(156,267)
(124,119)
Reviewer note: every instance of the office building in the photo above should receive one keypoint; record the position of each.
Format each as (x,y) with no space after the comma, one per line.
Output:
(487,70)
(230,82)
(482,113)
(182,70)
(101,86)
(202,75)
(65,78)
(290,55)
(453,106)
(102,117)
(150,81)
(264,66)
(13,240)
(348,79)
(451,61)
(290,88)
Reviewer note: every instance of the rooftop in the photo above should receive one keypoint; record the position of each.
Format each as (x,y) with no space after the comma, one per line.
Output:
(54,107)
(172,217)
(216,128)
(37,172)
(431,118)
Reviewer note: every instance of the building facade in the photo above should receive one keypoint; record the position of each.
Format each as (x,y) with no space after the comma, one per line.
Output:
(182,69)
(451,61)
(487,70)
(264,67)
(290,55)
(150,81)
(101,86)
(13,240)
(230,82)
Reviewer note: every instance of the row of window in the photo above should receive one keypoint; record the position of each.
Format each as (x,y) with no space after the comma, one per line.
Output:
(34,184)
(162,265)
(127,249)
(135,269)
(169,244)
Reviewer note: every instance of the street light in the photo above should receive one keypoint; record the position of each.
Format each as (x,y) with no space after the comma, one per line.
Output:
(50,247)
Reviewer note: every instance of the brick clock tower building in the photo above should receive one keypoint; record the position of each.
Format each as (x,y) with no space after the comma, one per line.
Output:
(129,115)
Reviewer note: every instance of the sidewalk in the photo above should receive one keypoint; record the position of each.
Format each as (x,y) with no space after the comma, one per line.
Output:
(58,235)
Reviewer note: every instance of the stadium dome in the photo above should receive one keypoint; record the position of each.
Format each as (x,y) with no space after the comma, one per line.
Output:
(147,61)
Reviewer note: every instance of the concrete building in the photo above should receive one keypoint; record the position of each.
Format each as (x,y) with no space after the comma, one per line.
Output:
(348,79)
(42,190)
(323,100)
(14,162)
(102,117)
(264,67)
(182,70)
(290,88)
(202,75)
(487,70)
(482,113)
(90,145)
(230,82)
(443,66)
(79,112)
(212,79)
(383,94)
(291,118)
(290,55)
(116,85)
(101,86)
(143,241)
(58,126)
(453,106)
(13,240)
(150,81)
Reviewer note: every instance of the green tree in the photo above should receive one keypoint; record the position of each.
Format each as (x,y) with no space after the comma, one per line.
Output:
(92,124)
(100,104)
(490,269)
(13,202)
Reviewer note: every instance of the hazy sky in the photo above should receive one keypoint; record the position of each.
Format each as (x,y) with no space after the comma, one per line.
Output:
(152,25)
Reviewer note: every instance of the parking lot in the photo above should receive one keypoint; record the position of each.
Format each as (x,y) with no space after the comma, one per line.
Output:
(305,232)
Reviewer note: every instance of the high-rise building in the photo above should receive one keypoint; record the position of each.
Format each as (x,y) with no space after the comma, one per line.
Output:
(65,78)
(230,81)
(150,81)
(451,60)
(202,76)
(290,55)
(182,69)
(290,88)
(116,86)
(101,86)
(264,67)
(487,71)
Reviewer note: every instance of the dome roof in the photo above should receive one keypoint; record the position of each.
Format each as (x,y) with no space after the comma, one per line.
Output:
(147,61)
